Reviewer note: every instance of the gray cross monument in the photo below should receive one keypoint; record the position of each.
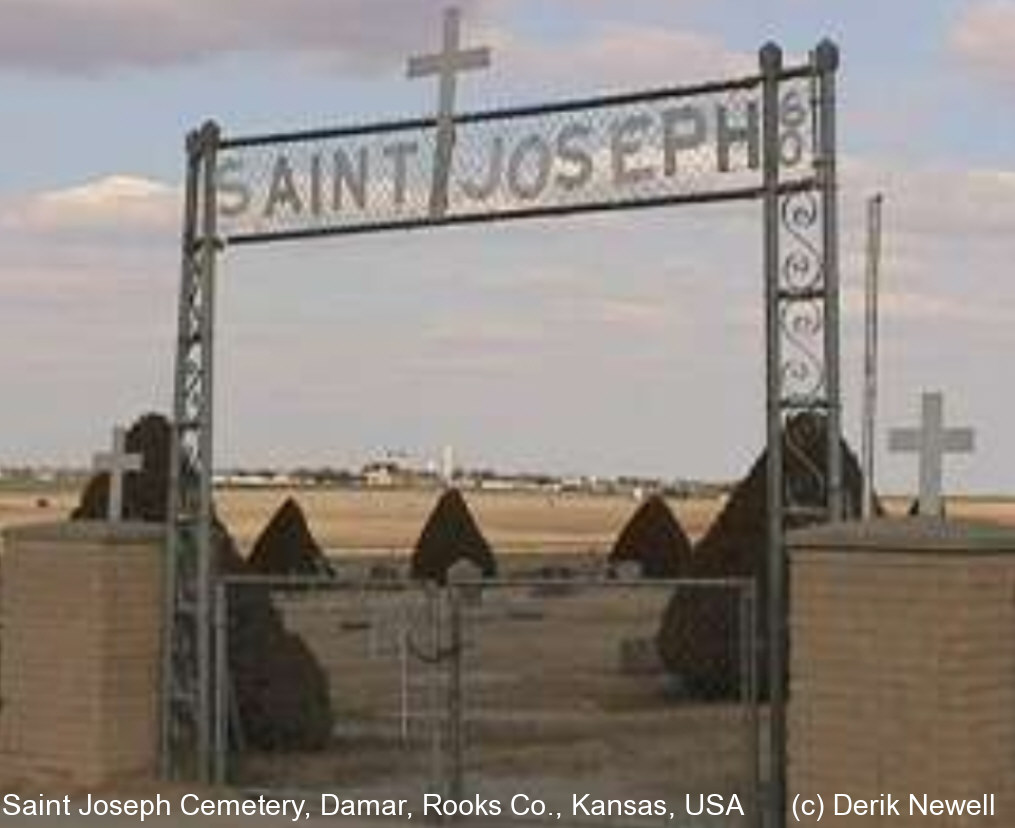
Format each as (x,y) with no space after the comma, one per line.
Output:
(931,441)
(117,462)
(447,65)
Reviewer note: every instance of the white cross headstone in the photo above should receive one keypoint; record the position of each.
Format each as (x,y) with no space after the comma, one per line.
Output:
(931,441)
(117,462)
(447,65)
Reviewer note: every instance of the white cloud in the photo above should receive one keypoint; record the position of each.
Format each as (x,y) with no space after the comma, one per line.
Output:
(984,37)
(351,36)
(116,205)
(75,36)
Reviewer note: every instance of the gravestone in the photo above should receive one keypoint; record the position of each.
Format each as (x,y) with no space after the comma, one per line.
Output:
(116,463)
(146,491)
(640,657)
(931,441)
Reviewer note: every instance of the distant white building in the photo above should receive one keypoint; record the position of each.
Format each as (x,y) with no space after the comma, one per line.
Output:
(246,480)
(382,475)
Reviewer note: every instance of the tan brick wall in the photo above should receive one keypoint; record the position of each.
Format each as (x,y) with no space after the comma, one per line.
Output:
(902,665)
(81,610)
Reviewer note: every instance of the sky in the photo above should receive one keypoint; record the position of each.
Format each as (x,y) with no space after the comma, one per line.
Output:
(628,343)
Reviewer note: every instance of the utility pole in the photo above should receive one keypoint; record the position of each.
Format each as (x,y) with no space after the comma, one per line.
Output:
(870,362)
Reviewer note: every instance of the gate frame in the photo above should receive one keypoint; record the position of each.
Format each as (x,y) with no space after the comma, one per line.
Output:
(446,619)
(188,647)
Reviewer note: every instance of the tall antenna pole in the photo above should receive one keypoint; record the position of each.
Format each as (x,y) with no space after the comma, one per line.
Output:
(448,466)
(870,362)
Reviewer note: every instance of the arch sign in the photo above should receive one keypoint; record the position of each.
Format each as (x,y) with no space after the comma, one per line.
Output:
(769,137)
(701,143)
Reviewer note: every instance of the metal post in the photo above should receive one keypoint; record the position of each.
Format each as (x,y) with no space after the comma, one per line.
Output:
(870,362)
(743,666)
(749,641)
(190,567)
(770,58)
(437,771)
(174,685)
(455,710)
(826,63)
(403,675)
(222,685)
(210,135)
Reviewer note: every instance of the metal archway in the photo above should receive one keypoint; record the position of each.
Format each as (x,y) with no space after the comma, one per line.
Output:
(770,137)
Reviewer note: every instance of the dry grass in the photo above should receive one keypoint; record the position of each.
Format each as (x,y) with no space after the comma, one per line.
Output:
(365,520)
(21,507)
(392,519)
(386,520)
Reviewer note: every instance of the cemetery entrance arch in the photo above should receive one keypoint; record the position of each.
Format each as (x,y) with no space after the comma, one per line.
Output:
(770,137)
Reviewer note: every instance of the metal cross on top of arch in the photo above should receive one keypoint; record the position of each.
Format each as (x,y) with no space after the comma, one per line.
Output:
(769,137)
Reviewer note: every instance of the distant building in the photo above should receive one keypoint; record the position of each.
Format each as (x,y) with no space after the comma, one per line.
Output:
(252,480)
(386,474)
(381,475)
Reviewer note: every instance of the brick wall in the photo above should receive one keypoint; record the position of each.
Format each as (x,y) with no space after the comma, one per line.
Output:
(902,665)
(81,611)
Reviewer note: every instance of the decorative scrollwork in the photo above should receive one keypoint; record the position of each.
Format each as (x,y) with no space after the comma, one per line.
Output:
(801,311)
(802,326)
(805,483)
(802,268)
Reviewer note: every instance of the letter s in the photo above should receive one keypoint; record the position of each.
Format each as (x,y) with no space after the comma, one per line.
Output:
(233,193)
(571,152)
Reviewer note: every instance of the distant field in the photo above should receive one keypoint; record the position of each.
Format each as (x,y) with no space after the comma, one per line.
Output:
(386,521)
(393,519)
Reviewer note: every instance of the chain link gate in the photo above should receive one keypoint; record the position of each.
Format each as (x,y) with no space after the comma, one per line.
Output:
(381,653)
(484,691)
(769,138)
(633,700)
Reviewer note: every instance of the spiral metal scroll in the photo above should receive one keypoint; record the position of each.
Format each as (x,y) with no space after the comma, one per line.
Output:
(803,375)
